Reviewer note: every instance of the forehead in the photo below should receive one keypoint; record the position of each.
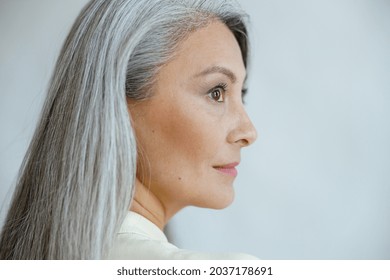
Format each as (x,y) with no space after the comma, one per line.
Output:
(211,46)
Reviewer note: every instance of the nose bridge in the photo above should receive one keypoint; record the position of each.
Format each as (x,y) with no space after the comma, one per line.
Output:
(244,131)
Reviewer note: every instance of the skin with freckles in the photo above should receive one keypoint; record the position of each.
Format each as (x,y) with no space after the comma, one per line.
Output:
(190,133)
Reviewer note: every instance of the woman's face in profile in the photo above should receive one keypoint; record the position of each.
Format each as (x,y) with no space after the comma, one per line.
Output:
(190,133)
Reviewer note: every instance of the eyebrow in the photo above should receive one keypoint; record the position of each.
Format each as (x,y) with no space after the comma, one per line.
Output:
(227,72)
(218,69)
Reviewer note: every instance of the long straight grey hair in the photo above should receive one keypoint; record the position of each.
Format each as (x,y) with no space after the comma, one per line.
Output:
(76,181)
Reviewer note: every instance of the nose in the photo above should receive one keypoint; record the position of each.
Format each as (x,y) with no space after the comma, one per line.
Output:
(244,133)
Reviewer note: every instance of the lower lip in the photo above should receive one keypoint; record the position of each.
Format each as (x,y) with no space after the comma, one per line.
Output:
(228,171)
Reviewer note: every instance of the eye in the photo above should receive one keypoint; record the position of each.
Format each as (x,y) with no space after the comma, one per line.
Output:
(243,94)
(218,93)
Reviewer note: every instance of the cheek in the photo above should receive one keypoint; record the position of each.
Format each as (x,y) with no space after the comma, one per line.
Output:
(177,140)
(185,135)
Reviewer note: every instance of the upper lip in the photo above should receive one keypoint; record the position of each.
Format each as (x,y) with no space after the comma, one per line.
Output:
(228,165)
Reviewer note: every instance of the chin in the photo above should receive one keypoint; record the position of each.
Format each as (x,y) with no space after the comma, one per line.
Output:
(218,200)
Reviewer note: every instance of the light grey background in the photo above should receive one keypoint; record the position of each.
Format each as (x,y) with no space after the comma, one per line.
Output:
(316,184)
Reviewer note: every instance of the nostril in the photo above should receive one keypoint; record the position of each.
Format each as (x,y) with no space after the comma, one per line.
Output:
(243,142)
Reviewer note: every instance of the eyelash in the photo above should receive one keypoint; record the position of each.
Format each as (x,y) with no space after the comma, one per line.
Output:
(221,86)
(243,94)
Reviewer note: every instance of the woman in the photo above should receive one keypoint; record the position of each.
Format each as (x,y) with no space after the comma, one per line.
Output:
(144,113)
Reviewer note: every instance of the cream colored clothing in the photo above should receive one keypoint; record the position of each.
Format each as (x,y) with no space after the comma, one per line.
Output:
(140,239)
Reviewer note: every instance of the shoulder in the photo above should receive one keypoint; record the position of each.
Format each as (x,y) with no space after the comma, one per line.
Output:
(140,239)
(136,247)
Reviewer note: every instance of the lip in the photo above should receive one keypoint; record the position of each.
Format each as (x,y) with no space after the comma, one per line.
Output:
(228,169)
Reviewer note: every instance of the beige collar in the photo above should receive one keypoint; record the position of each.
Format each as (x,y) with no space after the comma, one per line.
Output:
(137,224)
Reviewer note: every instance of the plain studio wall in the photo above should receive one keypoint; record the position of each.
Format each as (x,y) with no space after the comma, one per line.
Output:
(316,184)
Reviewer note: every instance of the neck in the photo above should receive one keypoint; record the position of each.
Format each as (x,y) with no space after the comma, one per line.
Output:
(147,204)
